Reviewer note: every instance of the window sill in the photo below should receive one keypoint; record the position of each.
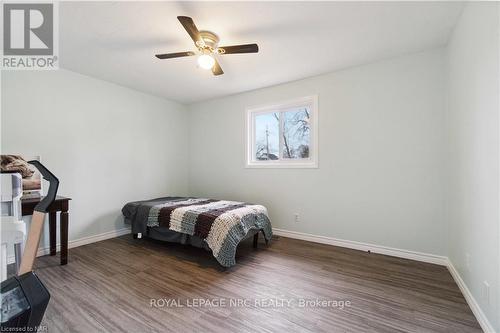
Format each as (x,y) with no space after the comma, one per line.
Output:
(309,165)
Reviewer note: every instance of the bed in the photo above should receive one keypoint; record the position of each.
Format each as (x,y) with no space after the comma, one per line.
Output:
(215,225)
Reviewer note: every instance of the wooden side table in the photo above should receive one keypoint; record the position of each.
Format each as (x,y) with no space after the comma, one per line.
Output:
(60,204)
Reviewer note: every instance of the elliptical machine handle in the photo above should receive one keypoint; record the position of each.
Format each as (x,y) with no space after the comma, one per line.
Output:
(44,204)
(37,220)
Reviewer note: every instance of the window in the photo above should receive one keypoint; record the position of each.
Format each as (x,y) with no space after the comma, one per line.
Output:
(283,135)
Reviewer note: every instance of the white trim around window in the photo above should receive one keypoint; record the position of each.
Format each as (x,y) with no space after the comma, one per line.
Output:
(279,161)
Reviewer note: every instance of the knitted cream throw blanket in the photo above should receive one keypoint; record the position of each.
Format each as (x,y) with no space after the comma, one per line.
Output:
(222,224)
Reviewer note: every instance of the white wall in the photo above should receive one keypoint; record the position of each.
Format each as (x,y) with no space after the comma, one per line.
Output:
(380,176)
(473,152)
(107,144)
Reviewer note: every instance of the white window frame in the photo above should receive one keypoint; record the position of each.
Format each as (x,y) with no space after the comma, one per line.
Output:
(310,162)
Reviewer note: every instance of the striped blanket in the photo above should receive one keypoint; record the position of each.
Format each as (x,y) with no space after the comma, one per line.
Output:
(221,224)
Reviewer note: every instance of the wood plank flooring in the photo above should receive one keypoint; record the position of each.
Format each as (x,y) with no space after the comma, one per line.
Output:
(108,287)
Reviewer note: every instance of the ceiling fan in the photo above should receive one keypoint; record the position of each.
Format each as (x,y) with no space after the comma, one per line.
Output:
(207,44)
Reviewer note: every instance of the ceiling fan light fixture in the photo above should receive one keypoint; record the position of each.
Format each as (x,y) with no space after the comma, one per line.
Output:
(206,61)
(207,44)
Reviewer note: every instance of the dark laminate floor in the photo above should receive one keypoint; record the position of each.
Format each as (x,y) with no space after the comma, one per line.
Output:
(108,287)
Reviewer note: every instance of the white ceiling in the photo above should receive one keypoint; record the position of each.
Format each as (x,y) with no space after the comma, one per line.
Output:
(116,41)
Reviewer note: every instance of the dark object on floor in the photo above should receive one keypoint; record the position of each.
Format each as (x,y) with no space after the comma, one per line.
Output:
(24,300)
(24,297)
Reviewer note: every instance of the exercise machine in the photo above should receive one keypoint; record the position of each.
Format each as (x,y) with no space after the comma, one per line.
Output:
(24,297)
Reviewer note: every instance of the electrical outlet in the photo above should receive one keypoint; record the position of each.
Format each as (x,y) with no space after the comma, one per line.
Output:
(297,217)
(467,262)
(486,292)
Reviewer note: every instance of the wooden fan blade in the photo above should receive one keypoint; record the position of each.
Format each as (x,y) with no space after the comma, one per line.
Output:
(175,55)
(190,27)
(245,48)
(217,70)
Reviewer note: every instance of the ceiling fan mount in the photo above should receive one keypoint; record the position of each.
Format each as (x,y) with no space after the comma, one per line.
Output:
(209,40)
(207,44)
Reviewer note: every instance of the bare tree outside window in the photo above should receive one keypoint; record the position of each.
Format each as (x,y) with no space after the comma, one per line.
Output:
(296,133)
(283,135)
